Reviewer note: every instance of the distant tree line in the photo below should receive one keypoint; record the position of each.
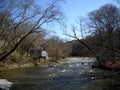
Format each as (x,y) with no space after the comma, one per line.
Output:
(56,47)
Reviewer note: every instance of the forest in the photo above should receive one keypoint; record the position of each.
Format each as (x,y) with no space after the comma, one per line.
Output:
(22,29)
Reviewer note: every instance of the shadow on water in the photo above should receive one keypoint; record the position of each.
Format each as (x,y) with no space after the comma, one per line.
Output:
(70,75)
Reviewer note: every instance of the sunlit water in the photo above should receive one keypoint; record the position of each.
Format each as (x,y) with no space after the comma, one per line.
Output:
(73,74)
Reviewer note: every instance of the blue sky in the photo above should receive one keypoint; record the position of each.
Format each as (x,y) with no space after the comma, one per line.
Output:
(75,8)
(72,9)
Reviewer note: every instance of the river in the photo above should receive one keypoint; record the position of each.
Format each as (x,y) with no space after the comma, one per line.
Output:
(73,74)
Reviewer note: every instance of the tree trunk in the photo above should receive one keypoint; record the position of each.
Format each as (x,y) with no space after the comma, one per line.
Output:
(14,48)
(90,49)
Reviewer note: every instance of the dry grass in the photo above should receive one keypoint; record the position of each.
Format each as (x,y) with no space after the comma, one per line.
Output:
(115,64)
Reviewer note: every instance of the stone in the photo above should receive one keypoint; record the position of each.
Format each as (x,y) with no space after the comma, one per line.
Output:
(5,84)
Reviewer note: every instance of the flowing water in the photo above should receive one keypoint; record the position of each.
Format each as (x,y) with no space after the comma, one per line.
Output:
(73,74)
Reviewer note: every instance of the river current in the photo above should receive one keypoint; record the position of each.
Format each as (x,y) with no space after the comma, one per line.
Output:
(72,74)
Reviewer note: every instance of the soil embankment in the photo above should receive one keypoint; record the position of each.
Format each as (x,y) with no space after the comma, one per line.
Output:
(9,66)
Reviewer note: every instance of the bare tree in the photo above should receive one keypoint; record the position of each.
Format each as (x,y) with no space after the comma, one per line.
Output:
(105,21)
(28,14)
(76,37)
(81,22)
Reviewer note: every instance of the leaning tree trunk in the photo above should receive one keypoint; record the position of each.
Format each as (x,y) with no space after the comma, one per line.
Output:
(90,49)
(14,48)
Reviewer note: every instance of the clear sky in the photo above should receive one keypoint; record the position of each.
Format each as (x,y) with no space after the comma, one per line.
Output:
(74,8)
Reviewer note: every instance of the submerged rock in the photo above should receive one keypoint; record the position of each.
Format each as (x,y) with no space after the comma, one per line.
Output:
(5,84)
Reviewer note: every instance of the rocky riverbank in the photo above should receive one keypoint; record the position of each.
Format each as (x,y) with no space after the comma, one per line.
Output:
(10,66)
(108,65)
(111,65)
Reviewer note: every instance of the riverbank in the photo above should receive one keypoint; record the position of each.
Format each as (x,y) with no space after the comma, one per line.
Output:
(111,65)
(9,66)
(108,65)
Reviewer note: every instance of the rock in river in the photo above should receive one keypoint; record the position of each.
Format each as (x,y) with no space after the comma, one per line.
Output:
(5,84)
